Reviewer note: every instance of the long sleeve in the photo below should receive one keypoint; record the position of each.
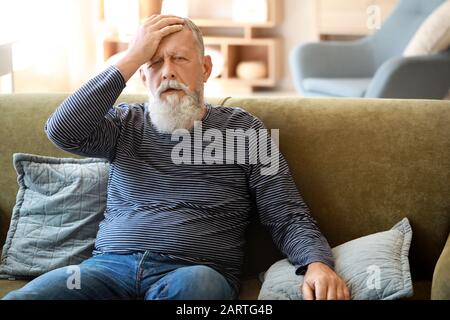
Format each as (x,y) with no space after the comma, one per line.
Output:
(283,211)
(86,122)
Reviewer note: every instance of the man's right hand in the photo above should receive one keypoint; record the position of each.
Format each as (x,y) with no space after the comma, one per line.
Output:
(146,41)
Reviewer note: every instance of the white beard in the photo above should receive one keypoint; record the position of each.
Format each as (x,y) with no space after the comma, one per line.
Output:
(173,112)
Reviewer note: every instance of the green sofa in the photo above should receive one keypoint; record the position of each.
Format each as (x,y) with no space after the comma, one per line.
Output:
(362,165)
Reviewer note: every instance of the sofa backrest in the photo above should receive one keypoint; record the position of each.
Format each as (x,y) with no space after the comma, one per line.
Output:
(361,165)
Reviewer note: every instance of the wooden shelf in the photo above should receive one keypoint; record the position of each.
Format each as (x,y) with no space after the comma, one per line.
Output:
(245,48)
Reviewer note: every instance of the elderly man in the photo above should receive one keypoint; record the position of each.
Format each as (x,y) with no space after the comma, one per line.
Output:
(175,230)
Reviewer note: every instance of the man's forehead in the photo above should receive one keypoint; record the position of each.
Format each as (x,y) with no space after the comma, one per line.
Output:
(171,51)
(180,40)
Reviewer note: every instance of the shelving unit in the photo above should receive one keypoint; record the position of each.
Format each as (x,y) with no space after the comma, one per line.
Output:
(245,44)
(237,50)
(235,41)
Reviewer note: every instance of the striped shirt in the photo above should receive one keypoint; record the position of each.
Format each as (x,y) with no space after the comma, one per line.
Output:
(193,212)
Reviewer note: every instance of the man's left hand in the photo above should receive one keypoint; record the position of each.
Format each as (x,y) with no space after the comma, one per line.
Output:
(322,283)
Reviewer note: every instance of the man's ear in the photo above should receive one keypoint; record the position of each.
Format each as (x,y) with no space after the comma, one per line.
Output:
(207,67)
(143,76)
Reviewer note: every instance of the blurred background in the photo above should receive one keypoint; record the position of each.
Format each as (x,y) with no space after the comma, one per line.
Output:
(56,45)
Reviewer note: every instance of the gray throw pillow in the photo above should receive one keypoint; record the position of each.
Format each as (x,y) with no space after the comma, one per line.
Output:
(374,267)
(59,206)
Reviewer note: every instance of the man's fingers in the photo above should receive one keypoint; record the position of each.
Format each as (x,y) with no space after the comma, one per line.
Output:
(170,29)
(308,293)
(156,17)
(331,292)
(321,290)
(324,291)
(347,295)
(317,291)
(168,21)
(342,292)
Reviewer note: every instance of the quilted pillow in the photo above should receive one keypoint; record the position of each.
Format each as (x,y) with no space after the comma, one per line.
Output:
(59,206)
(374,267)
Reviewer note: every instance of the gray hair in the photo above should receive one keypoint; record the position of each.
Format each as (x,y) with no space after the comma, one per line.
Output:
(198,36)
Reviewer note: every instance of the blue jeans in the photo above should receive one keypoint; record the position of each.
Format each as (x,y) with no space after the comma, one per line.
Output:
(140,275)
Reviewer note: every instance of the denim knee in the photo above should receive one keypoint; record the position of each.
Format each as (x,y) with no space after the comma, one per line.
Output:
(197,282)
(50,285)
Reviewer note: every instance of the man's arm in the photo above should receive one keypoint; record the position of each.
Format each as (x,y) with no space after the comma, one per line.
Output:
(85,123)
(282,210)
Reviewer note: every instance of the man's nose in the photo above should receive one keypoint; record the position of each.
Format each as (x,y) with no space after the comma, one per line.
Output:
(168,72)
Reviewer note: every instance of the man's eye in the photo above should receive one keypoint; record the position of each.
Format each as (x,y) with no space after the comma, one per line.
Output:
(180,58)
(154,63)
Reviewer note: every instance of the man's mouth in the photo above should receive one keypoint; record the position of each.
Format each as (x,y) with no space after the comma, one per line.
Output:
(171,90)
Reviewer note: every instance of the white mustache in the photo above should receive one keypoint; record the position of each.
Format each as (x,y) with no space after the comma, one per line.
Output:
(171,84)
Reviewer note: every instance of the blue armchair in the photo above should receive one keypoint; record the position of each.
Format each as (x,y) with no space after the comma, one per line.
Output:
(373,66)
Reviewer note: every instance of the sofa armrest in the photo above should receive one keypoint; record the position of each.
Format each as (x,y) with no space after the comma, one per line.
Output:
(440,288)
(421,77)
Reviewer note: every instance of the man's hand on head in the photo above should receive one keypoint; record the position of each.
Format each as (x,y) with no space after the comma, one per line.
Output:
(146,41)
(322,283)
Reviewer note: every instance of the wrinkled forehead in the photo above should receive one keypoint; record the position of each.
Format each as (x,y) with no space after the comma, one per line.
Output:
(183,39)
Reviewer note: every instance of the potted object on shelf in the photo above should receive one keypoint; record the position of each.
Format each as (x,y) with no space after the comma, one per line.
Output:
(250,70)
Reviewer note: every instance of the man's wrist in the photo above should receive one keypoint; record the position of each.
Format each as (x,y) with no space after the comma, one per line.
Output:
(127,66)
(317,264)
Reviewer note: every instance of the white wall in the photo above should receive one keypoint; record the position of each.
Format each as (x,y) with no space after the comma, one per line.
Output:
(54,43)
(298,25)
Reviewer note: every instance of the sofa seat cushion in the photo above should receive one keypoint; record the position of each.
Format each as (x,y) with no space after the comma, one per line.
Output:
(422,290)
(250,289)
(7,286)
(338,87)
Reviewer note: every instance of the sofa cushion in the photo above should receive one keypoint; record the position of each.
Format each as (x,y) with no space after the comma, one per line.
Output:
(6,286)
(338,87)
(59,206)
(250,288)
(433,35)
(374,267)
